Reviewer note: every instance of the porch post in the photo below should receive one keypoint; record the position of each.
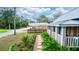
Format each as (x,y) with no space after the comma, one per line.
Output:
(51,31)
(48,30)
(55,33)
(63,33)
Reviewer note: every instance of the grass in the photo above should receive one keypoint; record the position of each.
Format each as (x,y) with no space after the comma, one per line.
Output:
(5,42)
(3,30)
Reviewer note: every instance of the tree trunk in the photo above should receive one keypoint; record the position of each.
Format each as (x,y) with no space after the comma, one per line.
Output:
(9,26)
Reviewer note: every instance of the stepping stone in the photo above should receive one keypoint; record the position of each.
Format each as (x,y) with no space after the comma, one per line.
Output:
(39,47)
(39,50)
(39,44)
(38,41)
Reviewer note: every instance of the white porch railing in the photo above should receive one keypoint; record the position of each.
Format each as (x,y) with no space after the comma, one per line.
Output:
(72,41)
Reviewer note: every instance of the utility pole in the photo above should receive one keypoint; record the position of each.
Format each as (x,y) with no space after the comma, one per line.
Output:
(14,20)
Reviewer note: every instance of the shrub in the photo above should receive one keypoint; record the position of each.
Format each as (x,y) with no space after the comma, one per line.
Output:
(28,40)
(49,43)
(26,44)
(13,48)
(24,40)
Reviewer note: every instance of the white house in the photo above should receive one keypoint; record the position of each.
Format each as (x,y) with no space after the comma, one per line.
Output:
(65,29)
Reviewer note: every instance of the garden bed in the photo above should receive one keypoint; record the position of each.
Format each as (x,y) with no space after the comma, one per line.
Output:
(49,44)
(7,41)
(26,44)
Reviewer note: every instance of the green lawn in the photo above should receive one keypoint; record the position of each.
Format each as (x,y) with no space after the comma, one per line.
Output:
(7,41)
(3,30)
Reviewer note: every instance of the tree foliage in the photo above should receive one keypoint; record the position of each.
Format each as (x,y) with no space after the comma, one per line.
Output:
(42,18)
(56,15)
(7,19)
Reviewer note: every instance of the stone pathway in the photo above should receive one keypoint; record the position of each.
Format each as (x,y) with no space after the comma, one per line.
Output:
(38,43)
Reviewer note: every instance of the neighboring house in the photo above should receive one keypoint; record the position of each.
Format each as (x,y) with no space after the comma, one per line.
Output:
(65,29)
(38,27)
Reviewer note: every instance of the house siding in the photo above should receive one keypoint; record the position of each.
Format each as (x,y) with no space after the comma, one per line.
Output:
(53,34)
(58,37)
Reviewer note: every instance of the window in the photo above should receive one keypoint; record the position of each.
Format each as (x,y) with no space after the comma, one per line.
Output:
(59,30)
(53,29)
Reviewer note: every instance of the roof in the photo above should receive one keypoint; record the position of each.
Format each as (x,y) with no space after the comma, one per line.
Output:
(38,24)
(70,18)
(71,22)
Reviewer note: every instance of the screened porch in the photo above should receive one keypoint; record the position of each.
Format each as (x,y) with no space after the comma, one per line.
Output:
(72,36)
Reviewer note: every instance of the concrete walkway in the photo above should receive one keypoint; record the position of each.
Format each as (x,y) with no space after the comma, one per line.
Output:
(38,43)
(10,32)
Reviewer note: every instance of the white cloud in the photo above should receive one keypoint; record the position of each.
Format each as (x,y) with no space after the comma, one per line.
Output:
(30,12)
(60,9)
(37,10)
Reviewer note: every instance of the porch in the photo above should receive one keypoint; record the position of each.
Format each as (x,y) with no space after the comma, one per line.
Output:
(67,36)
(72,41)
(72,37)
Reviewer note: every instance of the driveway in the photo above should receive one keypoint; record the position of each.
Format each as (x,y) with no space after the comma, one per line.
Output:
(10,32)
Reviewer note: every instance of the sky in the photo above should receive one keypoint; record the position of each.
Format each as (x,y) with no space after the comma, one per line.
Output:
(36,12)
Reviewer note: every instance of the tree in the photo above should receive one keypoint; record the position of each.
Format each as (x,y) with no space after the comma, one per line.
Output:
(7,17)
(14,20)
(24,23)
(42,18)
(56,15)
